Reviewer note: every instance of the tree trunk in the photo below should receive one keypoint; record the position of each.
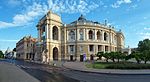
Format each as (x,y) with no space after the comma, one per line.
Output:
(113,60)
(118,60)
(106,60)
(138,61)
(145,62)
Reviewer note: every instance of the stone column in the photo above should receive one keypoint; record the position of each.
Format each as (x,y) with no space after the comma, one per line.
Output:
(78,34)
(59,53)
(95,35)
(96,48)
(103,48)
(50,32)
(85,34)
(59,33)
(102,35)
(67,35)
(46,32)
(39,35)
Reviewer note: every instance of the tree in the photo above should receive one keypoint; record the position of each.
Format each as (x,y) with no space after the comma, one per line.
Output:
(100,54)
(144,49)
(144,45)
(120,56)
(1,54)
(137,56)
(107,56)
(112,56)
(146,56)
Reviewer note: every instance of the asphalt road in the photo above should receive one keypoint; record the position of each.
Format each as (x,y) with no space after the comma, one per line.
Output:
(46,73)
(40,72)
(90,77)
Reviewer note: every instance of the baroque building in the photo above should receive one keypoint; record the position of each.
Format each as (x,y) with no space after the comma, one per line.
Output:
(80,40)
(25,48)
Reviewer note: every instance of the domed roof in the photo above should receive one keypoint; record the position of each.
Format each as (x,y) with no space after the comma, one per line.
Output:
(82,19)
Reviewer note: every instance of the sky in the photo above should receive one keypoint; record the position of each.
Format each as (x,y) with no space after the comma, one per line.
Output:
(18,18)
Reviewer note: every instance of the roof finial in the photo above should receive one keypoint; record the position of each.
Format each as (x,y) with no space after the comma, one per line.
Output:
(105,23)
(81,17)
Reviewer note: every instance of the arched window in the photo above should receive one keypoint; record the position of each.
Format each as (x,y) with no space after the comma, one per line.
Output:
(105,36)
(90,34)
(55,33)
(81,34)
(71,35)
(98,35)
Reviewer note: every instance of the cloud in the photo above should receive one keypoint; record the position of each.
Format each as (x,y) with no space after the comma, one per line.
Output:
(5,24)
(145,17)
(14,3)
(72,6)
(119,2)
(145,35)
(9,40)
(34,9)
(26,17)
(146,28)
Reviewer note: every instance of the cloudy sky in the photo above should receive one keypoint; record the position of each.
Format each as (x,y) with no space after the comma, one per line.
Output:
(18,18)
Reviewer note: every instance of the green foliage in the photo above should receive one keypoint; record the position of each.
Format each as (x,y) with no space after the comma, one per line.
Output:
(145,56)
(100,54)
(120,65)
(142,54)
(144,49)
(137,56)
(1,54)
(111,55)
(107,56)
(144,45)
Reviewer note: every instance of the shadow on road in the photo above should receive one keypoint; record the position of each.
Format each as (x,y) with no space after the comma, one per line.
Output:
(45,76)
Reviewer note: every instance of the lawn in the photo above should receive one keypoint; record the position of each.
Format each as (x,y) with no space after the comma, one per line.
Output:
(121,65)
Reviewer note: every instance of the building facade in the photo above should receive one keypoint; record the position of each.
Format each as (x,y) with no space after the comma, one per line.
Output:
(79,40)
(25,48)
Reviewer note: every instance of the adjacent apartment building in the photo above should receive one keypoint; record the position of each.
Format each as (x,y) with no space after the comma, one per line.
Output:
(80,40)
(25,48)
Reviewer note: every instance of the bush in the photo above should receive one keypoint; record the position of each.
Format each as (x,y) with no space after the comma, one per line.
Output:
(121,65)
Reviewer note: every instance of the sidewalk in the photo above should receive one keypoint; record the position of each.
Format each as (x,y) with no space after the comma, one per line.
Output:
(11,73)
(80,66)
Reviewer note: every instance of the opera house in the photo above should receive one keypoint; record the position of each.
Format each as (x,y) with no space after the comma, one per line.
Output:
(80,40)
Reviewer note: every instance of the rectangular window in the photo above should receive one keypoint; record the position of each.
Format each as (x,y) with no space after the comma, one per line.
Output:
(106,48)
(71,48)
(81,48)
(91,48)
(99,47)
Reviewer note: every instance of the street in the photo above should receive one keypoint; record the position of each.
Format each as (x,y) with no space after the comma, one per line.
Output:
(41,72)
(46,73)
(90,77)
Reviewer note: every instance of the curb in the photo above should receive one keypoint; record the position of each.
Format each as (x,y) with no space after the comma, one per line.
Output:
(108,73)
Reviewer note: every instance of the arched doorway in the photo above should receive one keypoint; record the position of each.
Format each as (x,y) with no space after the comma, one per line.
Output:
(55,53)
